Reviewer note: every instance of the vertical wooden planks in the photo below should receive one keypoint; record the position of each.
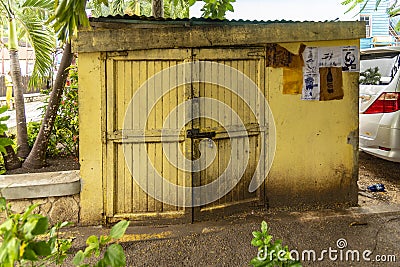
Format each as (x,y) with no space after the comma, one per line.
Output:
(235,121)
(184,178)
(142,162)
(152,68)
(135,125)
(118,117)
(131,73)
(173,146)
(228,119)
(127,95)
(220,144)
(110,153)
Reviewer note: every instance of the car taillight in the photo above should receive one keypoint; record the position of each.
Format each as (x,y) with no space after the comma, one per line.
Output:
(385,103)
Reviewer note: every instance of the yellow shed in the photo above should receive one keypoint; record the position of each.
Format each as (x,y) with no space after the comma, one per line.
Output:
(185,119)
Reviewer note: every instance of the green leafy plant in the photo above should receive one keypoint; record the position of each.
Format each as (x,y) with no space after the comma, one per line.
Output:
(64,139)
(370,76)
(28,240)
(33,128)
(24,238)
(392,8)
(113,254)
(216,9)
(4,139)
(270,253)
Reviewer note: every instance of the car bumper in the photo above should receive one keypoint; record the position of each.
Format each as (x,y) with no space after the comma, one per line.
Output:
(387,138)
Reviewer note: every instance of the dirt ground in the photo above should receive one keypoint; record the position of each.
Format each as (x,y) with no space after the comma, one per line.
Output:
(228,243)
(53,165)
(373,170)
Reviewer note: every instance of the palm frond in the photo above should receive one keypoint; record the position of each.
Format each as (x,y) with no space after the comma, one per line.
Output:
(68,16)
(42,40)
(99,8)
(117,7)
(38,4)
(6,9)
(353,4)
(21,31)
(3,20)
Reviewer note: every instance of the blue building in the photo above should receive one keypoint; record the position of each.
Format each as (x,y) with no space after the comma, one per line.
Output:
(379,26)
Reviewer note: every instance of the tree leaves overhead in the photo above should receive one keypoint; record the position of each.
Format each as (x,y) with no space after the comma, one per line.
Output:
(41,4)
(353,4)
(41,37)
(216,9)
(117,7)
(30,17)
(69,14)
(393,8)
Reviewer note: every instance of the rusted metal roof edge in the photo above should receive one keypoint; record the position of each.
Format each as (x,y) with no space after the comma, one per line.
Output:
(134,19)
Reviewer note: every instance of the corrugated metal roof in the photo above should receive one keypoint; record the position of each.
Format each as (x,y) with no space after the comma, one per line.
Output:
(192,21)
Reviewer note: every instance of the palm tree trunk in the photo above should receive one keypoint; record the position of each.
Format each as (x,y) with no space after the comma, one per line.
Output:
(158,8)
(11,161)
(37,157)
(22,134)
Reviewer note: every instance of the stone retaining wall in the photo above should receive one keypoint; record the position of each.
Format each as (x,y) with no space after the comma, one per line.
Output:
(64,208)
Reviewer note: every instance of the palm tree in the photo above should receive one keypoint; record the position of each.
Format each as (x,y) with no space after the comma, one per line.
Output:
(27,17)
(68,15)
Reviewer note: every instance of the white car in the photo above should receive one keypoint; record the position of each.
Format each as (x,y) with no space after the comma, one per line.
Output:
(379,104)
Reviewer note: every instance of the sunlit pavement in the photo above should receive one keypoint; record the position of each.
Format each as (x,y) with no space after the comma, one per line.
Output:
(33,112)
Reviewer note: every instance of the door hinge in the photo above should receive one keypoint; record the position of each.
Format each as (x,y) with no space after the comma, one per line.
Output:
(116,135)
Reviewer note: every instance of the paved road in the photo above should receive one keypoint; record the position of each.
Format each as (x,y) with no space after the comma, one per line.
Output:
(32,111)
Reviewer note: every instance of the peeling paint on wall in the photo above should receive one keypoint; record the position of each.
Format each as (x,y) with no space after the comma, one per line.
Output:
(292,81)
(278,57)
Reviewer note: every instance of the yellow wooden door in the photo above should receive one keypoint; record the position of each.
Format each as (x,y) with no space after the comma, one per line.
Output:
(134,156)
(232,126)
(183,133)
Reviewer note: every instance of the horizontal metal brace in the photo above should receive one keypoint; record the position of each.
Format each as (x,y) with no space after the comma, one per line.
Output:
(178,135)
(148,136)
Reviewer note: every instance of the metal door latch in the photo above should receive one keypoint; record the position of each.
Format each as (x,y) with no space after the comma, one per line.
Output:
(195,133)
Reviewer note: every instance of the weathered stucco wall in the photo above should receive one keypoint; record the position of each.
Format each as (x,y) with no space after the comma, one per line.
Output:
(316,160)
(91,84)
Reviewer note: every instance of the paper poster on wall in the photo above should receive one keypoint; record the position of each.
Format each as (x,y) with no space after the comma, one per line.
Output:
(350,58)
(311,86)
(310,56)
(330,56)
(311,83)
(331,83)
